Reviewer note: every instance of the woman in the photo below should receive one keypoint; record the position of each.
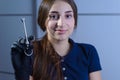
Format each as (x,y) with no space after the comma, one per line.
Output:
(57,57)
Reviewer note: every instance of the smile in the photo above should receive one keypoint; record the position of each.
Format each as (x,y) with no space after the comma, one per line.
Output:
(61,31)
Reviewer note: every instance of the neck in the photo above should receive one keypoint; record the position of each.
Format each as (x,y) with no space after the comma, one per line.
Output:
(61,46)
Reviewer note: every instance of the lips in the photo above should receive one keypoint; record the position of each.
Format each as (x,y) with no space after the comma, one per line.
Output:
(60,31)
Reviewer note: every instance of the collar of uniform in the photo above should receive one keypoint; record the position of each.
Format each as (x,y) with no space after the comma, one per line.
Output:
(72,52)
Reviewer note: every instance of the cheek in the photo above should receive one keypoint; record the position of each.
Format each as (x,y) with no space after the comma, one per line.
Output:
(51,24)
(72,23)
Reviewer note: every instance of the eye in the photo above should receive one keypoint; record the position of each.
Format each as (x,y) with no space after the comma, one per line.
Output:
(68,16)
(54,16)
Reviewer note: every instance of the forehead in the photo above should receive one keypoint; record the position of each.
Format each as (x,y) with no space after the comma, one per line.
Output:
(61,6)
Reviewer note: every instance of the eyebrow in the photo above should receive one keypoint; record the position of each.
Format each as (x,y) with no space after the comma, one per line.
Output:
(58,12)
(68,11)
(53,12)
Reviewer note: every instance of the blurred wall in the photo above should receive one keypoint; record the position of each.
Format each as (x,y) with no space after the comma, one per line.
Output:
(11,29)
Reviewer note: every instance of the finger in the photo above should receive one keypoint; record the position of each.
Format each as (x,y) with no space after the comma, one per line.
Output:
(16,60)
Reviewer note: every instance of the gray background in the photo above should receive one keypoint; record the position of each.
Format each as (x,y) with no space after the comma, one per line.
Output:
(98,24)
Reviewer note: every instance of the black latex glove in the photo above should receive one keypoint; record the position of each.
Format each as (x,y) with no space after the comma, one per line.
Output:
(21,62)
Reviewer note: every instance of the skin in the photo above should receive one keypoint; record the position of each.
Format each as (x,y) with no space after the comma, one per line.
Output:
(60,22)
(59,26)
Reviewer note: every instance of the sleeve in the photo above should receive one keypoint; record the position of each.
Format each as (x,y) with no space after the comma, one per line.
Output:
(94,61)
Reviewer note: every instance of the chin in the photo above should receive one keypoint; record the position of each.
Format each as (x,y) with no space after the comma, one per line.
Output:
(61,38)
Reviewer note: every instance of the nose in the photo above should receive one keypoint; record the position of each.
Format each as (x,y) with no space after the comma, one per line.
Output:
(60,22)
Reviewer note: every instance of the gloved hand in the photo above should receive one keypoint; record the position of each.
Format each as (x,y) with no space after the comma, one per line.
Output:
(22,58)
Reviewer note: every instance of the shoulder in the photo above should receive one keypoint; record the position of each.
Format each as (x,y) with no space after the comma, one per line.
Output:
(89,50)
(82,45)
(91,55)
(86,47)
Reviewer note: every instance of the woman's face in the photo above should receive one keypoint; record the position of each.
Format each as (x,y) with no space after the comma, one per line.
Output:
(60,22)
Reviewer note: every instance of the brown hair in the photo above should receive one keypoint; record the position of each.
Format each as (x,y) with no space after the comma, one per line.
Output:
(47,62)
(44,10)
